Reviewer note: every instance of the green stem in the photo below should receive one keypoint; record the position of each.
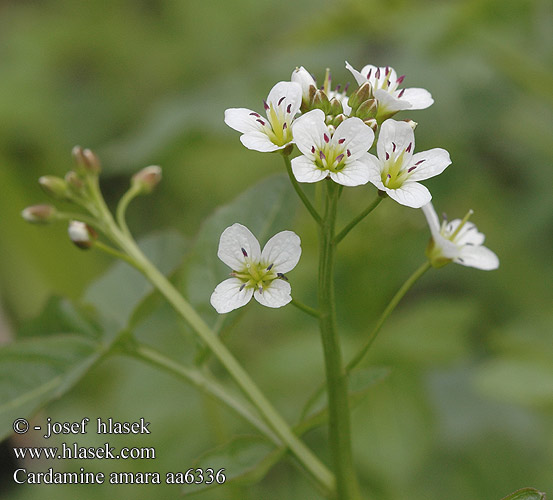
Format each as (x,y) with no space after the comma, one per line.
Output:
(339,431)
(305,308)
(131,193)
(301,194)
(113,252)
(341,235)
(386,313)
(204,383)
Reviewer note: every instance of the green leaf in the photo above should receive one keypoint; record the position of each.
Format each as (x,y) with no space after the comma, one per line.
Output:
(265,209)
(36,371)
(246,459)
(315,412)
(122,288)
(526,494)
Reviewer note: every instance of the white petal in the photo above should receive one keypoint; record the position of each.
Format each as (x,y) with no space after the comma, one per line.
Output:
(375,171)
(259,141)
(242,119)
(227,296)
(354,173)
(291,91)
(388,103)
(411,194)
(305,170)
(277,294)
(303,77)
(358,137)
(308,131)
(399,133)
(479,257)
(469,235)
(418,98)
(435,162)
(235,239)
(283,250)
(359,78)
(431,218)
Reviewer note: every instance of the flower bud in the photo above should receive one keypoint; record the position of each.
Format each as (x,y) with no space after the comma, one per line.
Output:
(86,160)
(74,182)
(39,214)
(320,101)
(335,107)
(371,122)
(362,94)
(53,186)
(307,83)
(366,110)
(411,123)
(81,234)
(147,179)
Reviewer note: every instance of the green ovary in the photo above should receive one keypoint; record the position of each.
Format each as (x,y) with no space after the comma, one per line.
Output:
(256,275)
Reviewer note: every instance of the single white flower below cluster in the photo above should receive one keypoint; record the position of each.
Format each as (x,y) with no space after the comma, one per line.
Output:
(340,153)
(397,170)
(272,132)
(458,241)
(256,273)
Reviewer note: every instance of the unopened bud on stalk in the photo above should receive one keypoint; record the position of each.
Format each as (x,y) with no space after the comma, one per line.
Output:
(86,160)
(74,182)
(39,214)
(362,94)
(335,107)
(371,122)
(411,123)
(81,234)
(147,179)
(320,101)
(366,110)
(53,186)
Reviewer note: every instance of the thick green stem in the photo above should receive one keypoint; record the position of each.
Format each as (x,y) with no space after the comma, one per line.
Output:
(341,235)
(384,316)
(299,191)
(336,378)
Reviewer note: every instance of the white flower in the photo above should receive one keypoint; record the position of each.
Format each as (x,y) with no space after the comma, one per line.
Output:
(340,154)
(255,272)
(385,83)
(274,132)
(397,170)
(458,241)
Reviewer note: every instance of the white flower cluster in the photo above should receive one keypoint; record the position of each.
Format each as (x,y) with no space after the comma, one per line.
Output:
(334,133)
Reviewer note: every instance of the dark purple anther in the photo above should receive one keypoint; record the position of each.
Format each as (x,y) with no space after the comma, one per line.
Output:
(242,287)
(244,253)
(260,121)
(377,74)
(289,108)
(389,176)
(400,95)
(270,267)
(346,87)
(400,79)
(411,169)
(313,149)
(326,138)
(387,69)
(408,148)
(282,276)
(339,158)
(369,74)
(419,162)
(322,155)
(348,152)
(394,147)
(338,87)
(280,100)
(284,126)
(255,114)
(387,155)
(341,141)
(265,105)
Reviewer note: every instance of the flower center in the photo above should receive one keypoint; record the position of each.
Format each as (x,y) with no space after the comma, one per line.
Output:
(256,275)
(331,156)
(449,232)
(395,173)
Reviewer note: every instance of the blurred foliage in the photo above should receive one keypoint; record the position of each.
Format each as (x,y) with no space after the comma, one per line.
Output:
(467,410)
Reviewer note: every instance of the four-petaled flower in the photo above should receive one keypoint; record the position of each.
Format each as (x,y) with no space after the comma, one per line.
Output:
(255,272)
(385,83)
(397,170)
(339,153)
(458,241)
(274,131)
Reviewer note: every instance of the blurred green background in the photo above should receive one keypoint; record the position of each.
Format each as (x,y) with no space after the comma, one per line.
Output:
(466,412)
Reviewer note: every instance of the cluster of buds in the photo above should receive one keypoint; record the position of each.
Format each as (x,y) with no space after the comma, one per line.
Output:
(80,187)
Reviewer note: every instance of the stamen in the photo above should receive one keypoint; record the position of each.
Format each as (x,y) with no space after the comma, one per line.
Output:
(408,148)
(369,74)
(280,100)
(282,276)
(341,141)
(411,169)
(339,158)
(289,108)
(348,152)
(387,155)
(322,155)
(419,162)
(255,114)
(460,259)
(338,87)
(270,267)
(313,149)
(400,79)
(394,147)
(387,70)
(244,253)
(260,121)
(400,95)
(260,289)
(284,126)
(346,87)
(326,138)
(242,287)
(377,74)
